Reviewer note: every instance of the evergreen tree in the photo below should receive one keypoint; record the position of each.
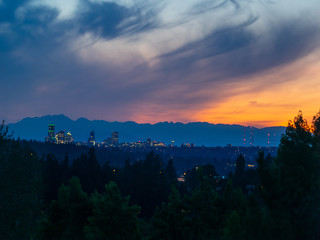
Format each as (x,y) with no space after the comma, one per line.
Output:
(291,185)
(298,167)
(233,229)
(20,188)
(112,217)
(196,174)
(202,217)
(239,174)
(87,169)
(147,183)
(256,221)
(65,173)
(108,173)
(51,178)
(169,222)
(68,215)
(171,172)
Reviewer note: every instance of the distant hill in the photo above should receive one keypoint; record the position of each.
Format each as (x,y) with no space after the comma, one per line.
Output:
(199,133)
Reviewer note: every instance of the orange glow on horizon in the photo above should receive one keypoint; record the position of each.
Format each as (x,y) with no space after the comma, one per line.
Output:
(274,104)
(269,99)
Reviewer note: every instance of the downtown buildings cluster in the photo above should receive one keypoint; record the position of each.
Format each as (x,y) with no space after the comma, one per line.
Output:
(63,137)
(60,138)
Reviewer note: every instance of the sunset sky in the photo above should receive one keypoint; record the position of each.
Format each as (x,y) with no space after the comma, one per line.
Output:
(249,62)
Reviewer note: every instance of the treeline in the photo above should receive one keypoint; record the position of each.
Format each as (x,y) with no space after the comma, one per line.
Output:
(43,198)
(223,158)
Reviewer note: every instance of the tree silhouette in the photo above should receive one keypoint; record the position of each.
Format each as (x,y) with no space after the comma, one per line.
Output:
(291,185)
(112,217)
(169,222)
(147,183)
(239,174)
(68,215)
(20,188)
(87,169)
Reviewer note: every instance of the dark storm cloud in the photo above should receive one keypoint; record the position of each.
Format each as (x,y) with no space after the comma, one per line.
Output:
(42,71)
(29,32)
(38,70)
(8,8)
(27,24)
(235,51)
(104,19)
(16,31)
(217,43)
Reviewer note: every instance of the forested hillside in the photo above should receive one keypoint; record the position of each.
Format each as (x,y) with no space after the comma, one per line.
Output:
(43,198)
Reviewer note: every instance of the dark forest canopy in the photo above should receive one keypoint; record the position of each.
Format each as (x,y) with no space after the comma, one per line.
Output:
(44,198)
(223,158)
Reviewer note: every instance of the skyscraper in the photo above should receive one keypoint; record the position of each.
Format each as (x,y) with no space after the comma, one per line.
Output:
(68,138)
(112,141)
(91,139)
(115,138)
(51,134)
(148,143)
(60,137)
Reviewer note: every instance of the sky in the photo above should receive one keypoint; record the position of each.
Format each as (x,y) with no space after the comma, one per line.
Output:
(248,62)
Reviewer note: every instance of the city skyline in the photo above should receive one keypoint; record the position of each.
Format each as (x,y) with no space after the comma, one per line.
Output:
(199,133)
(253,63)
(61,137)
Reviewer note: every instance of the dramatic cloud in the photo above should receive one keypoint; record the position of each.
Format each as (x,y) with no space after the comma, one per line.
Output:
(148,61)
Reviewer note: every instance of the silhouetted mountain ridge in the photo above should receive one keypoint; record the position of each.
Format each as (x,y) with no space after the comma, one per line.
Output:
(199,133)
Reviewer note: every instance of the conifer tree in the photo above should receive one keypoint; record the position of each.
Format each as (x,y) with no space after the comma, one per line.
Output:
(20,188)
(112,217)
(68,215)
(169,221)
(291,185)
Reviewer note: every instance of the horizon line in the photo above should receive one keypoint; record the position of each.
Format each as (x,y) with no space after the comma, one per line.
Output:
(128,121)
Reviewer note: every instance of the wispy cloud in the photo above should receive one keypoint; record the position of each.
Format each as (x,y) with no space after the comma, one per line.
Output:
(146,60)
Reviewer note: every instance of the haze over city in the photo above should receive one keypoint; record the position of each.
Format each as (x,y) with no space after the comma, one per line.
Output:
(224,61)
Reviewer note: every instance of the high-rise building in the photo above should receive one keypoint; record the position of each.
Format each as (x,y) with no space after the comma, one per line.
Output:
(91,139)
(112,141)
(115,138)
(68,138)
(51,134)
(148,143)
(60,137)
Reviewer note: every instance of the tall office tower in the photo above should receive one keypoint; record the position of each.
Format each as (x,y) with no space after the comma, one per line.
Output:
(60,137)
(115,138)
(51,134)
(148,143)
(68,138)
(91,139)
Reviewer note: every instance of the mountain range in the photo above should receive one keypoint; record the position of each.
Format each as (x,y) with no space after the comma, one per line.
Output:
(199,133)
